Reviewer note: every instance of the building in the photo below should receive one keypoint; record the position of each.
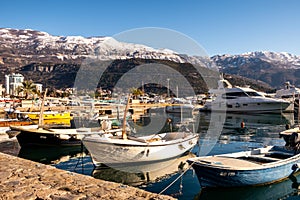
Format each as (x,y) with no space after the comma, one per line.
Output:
(39,87)
(12,82)
(2,91)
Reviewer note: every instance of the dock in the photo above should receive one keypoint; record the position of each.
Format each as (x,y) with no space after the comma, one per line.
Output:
(25,179)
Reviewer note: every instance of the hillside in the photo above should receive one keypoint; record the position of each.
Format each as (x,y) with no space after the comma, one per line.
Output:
(55,60)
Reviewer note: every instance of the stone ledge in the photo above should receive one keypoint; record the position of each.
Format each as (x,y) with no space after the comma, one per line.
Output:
(24,179)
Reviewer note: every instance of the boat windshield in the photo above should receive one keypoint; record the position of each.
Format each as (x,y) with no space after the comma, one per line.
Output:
(253,94)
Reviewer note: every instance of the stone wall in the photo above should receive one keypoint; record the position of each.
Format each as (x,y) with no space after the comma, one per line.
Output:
(24,179)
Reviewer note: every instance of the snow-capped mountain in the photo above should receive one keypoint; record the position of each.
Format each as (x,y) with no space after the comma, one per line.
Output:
(21,47)
(272,68)
(281,60)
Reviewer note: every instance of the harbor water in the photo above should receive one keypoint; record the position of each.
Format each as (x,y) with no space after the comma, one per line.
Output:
(238,132)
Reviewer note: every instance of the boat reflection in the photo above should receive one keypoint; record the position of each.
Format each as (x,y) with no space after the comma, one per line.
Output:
(236,123)
(51,155)
(136,175)
(282,190)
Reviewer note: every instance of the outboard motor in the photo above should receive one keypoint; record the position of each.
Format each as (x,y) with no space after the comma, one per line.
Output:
(294,141)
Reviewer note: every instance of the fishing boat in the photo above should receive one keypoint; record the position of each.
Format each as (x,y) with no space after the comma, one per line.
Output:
(6,123)
(13,118)
(42,135)
(244,99)
(116,150)
(261,166)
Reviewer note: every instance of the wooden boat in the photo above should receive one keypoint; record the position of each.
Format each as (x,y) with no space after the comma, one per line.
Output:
(42,135)
(6,123)
(116,150)
(260,166)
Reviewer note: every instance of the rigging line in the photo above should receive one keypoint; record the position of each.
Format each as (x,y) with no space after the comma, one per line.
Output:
(177,178)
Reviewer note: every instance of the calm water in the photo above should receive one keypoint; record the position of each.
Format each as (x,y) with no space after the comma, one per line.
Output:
(216,136)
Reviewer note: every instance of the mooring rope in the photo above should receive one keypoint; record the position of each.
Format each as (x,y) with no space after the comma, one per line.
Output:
(177,178)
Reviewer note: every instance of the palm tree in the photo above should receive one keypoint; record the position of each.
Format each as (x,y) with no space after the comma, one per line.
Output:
(28,87)
(136,92)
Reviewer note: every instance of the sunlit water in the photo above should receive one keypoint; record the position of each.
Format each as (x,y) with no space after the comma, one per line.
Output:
(259,130)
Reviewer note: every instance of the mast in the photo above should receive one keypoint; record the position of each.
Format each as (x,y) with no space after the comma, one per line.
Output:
(124,135)
(41,117)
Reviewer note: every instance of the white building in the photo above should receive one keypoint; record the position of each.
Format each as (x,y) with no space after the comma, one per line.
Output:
(12,82)
(39,87)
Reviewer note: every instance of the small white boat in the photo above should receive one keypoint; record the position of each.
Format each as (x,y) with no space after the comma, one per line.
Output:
(114,150)
(118,149)
(180,106)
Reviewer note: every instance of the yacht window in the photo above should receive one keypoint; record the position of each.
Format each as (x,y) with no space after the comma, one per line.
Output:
(234,95)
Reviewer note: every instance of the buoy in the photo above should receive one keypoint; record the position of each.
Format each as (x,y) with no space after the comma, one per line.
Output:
(242,124)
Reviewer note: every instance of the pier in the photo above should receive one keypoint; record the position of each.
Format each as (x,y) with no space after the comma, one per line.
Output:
(24,179)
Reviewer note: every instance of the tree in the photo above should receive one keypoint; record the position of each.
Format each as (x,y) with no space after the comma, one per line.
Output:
(136,92)
(28,87)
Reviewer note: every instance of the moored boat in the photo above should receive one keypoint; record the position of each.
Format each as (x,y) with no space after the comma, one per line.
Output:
(42,135)
(118,149)
(6,123)
(114,150)
(244,99)
(260,166)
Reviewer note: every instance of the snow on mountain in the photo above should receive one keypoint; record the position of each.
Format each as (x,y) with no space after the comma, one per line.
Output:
(280,60)
(35,44)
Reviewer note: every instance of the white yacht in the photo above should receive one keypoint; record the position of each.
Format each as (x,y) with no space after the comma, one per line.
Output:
(288,92)
(244,99)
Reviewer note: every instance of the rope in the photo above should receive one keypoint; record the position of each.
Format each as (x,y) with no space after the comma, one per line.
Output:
(177,178)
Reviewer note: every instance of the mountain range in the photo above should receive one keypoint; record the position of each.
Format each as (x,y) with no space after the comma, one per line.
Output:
(54,60)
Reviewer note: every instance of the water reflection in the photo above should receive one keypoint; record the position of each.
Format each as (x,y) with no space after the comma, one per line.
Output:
(281,190)
(136,175)
(50,154)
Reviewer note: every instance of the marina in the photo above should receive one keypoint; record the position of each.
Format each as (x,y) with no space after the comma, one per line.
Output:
(261,130)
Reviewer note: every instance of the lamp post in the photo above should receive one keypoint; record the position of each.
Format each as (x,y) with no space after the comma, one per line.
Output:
(168,91)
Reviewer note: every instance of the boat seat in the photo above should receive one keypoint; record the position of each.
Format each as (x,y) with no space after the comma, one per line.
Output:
(263,158)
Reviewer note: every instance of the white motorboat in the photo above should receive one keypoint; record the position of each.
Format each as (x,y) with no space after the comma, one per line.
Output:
(118,149)
(179,106)
(244,99)
(115,150)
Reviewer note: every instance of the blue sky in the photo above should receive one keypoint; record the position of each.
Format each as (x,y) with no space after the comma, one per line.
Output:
(219,26)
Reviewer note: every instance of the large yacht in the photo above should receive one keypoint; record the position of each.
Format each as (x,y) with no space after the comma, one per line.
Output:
(244,99)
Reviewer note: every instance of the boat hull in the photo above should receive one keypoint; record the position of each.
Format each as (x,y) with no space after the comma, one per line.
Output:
(249,107)
(179,108)
(118,152)
(47,137)
(209,177)
(50,116)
